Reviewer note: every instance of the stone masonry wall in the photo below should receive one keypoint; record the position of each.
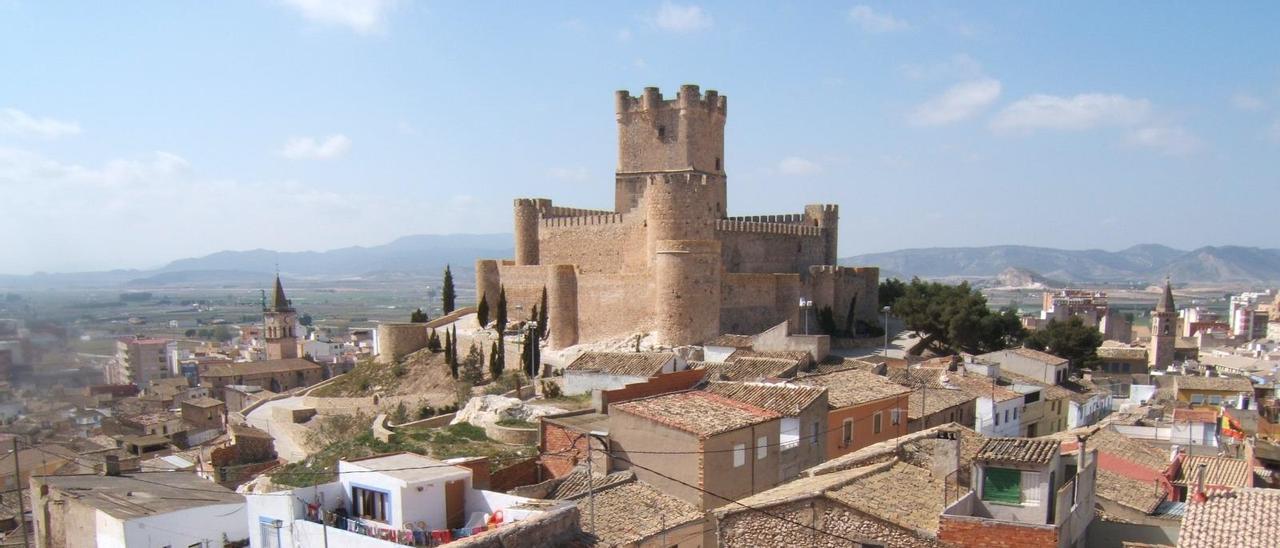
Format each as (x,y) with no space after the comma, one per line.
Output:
(760,247)
(614,305)
(752,529)
(748,303)
(602,243)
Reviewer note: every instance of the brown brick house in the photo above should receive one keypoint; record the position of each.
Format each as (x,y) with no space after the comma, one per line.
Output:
(863,408)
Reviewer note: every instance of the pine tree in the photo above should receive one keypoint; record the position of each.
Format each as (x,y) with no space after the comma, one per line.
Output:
(473,365)
(418,316)
(502,311)
(433,341)
(495,362)
(482,312)
(542,314)
(446,293)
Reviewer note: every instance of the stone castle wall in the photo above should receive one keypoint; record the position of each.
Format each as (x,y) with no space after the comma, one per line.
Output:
(596,243)
(751,303)
(685,133)
(397,340)
(769,247)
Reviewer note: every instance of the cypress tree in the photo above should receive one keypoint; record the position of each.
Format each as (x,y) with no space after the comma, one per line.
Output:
(848,320)
(495,361)
(542,314)
(502,311)
(526,357)
(537,326)
(446,293)
(482,312)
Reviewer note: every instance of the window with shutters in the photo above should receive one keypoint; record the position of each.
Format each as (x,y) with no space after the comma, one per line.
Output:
(739,454)
(875,423)
(846,434)
(762,448)
(1002,485)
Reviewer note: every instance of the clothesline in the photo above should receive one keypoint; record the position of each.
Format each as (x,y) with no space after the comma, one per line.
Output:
(410,536)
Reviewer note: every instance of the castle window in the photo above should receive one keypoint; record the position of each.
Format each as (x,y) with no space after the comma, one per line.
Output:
(662,132)
(717,164)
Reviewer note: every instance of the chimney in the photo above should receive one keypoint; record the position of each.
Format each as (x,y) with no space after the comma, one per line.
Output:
(110,465)
(1173,452)
(1199,495)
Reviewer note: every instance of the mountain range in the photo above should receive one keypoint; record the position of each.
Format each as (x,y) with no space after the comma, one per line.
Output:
(1140,263)
(425,255)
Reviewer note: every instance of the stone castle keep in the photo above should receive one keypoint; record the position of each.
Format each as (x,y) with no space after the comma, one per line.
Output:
(667,258)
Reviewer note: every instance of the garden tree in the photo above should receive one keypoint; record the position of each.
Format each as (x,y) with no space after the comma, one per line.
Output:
(542,314)
(1071,339)
(495,361)
(890,290)
(447,294)
(222,333)
(848,319)
(189,333)
(305,319)
(827,321)
(526,355)
(472,366)
(401,414)
(433,341)
(451,353)
(482,312)
(418,316)
(501,315)
(954,318)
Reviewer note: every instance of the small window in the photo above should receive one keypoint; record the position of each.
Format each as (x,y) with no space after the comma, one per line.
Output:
(875,423)
(894,416)
(1197,399)
(662,132)
(997,419)
(817,430)
(1031,488)
(762,448)
(739,454)
(846,435)
(1006,415)
(717,164)
(370,504)
(1215,400)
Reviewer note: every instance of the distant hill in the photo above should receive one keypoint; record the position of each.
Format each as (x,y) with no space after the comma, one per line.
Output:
(403,258)
(1147,262)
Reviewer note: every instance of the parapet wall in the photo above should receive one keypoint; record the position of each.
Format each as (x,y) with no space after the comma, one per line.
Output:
(788,218)
(775,248)
(557,211)
(769,227)
(597,243)
(582,220)
(397,340)
(838,286)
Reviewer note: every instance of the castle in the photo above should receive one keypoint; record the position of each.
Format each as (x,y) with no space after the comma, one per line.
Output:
(667,258)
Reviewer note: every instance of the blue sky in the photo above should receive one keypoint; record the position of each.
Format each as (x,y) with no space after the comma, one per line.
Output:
(136,133)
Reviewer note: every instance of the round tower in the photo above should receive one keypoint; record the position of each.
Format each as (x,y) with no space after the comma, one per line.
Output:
(687,292)
(562,305)
(488,281)
(397,340)
(682,206)
(526,228)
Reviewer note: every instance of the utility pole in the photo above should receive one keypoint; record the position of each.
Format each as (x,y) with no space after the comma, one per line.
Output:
(17,477)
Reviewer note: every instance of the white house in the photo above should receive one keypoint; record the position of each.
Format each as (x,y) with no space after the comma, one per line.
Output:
(396,499)
(613,370)
(140,509)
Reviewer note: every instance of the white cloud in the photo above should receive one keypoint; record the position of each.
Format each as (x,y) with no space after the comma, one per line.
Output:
(679,18)
(1245,101)
(21,124)
(1079,112)
(871,21)
(362,16)
(1171,140)
(957,103)
(795,165)
(623,35)
(574,174)
(959,66)
(311,148)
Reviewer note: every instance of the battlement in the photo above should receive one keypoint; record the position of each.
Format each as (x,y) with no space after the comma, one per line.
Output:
(581,220)
(794,218)
(573,212)
(536,203)
(685,177)
(729,225)
(687,98)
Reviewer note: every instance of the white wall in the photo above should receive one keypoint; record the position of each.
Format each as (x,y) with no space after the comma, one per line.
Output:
(419,501)
(583,383)
(984,422)
(717,353)
(206,525)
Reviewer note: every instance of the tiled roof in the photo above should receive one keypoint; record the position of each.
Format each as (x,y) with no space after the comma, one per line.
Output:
(1128,468)
(1025,450)
(979,386)
(142,494)
(854,387)
(630,512)
(748,369)
(1143,496)
(203,402)
(576,485)
(700,413)
(1199,414)
(926,390)
(800,357)
(732,341)
(1244,518)
(1219,471)
(1121,353)
(782,398)
(259,367)
(1226,384)
(630,364)
(1039,356)
(905,495)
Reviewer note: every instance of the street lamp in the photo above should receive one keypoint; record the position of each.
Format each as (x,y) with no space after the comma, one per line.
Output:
(805,306)
(886,330)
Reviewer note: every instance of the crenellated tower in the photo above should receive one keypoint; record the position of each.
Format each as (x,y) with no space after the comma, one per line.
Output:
(826,217)
(659,136)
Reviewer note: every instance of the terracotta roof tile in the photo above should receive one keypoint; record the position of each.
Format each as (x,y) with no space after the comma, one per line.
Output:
(1244,518)
(1219,471)
(854,387)
(630,512)
(1025,450)
(1121,353)
(1039,356)
(783,398)
(905,495)
(700,413)
(631,364)
(749,369)
(254,368)
(1230,384)
(732,341)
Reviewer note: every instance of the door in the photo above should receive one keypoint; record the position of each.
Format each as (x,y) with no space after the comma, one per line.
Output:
(454,509)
